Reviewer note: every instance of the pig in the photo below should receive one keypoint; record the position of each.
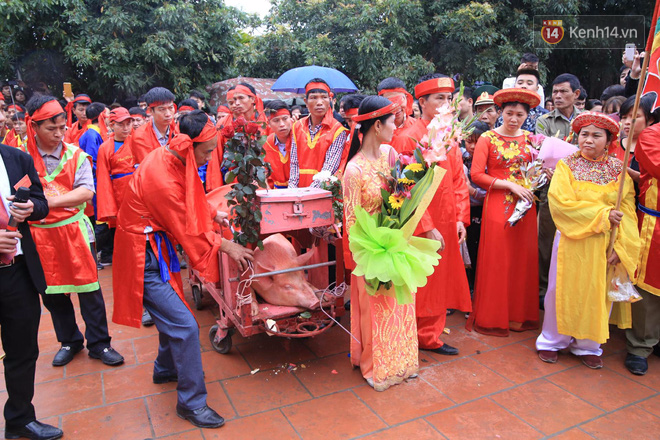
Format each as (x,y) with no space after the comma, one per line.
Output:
(287,289)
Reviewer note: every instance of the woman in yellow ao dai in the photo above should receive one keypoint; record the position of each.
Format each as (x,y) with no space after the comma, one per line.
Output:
(582,198)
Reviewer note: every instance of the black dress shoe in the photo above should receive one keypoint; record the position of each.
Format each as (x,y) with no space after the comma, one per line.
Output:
(656,350)
(108,356)
(65,355)
(147,320)
(35,431)
(446,349)
(165,378)
(203,417)
(637,365)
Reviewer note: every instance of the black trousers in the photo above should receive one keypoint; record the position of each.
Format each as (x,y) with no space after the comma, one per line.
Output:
(105,238)
(20,312)
(92,309)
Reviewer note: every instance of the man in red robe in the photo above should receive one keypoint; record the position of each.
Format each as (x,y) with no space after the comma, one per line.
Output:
(18,134)
(395,90)
(449,212)
(160,130)
(78,107)
(115,166)
(278,144)
(318,139)
(164,204)
(644,336)
(139,117)
(244,102)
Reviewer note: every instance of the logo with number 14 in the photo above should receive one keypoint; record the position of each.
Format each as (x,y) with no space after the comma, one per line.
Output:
(552,31)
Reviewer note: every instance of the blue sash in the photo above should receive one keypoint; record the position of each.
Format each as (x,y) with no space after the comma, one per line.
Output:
(648,211)
(120,175)
(174,266)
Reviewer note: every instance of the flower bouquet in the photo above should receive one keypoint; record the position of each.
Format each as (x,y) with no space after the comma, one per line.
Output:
(244,161)
(546,152)
(392,261)
(331,183)
(531,176)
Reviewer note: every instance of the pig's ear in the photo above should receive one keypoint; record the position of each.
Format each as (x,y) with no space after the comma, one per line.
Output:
(303,259)
(266,283)
(264,265)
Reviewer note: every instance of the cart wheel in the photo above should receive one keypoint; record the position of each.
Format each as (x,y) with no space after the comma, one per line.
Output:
(224,345)
(197,297)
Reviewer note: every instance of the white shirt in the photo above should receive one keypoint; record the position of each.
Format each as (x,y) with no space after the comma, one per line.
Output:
(511,82)
(5,191)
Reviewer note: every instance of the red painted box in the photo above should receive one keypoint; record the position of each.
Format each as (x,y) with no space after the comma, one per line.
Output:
(290,209)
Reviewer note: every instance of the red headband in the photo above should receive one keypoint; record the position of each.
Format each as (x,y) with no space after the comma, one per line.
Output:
(258,103)
(186,108)
(80,98)
(157,103)
(280,112)
(208,132)
(409,98)
(198,219)
(388,109)
(434,85)
(318,85)
(15,107)
(47,111)
(352,112)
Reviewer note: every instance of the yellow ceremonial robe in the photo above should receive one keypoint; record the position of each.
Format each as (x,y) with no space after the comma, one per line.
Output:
(580,209)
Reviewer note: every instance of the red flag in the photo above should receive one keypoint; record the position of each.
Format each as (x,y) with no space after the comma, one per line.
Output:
(25,181)
(653,50)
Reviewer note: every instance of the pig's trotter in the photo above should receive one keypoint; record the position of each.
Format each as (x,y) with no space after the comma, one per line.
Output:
(254,305)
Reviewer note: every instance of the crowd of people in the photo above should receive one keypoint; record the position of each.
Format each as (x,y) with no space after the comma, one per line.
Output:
(110,185)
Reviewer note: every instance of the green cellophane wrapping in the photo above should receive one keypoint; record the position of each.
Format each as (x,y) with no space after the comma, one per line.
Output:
(385,256)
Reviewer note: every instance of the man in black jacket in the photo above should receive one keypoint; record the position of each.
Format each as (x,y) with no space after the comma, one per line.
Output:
(21,280)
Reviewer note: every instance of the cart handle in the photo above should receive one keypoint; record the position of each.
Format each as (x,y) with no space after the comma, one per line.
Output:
(293,269)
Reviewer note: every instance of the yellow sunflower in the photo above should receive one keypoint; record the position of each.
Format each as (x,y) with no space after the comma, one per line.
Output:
(396,201)
(414,167)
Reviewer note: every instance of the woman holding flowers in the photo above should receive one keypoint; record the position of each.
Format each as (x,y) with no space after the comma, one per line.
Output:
(385,344)
(506,291)
(582,198)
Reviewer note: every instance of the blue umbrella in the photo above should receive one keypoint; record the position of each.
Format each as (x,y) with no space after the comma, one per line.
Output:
(294,80)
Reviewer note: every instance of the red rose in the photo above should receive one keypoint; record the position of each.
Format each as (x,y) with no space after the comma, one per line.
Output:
(227,131)
(240,122)
(252,128)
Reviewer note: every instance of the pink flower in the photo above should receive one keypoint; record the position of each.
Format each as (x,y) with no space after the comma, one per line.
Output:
(432,156)
(406,158)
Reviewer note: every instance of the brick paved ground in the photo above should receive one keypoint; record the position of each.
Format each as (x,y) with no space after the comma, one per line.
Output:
(496,388)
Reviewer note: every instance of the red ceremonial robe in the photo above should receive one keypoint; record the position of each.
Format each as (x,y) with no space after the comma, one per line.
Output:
(447,287)
(153,202)
(409,122)
(279,164)
(647,152)
(311,153)
(144,142)
(214,178)
(113,172)
(14,140)
(72,135)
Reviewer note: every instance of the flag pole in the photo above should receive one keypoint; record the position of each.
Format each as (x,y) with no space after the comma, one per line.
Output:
(638,96)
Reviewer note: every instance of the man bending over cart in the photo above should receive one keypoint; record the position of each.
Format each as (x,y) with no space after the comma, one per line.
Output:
(150,222)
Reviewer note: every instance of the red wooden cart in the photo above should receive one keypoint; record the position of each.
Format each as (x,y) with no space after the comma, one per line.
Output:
(292,213)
